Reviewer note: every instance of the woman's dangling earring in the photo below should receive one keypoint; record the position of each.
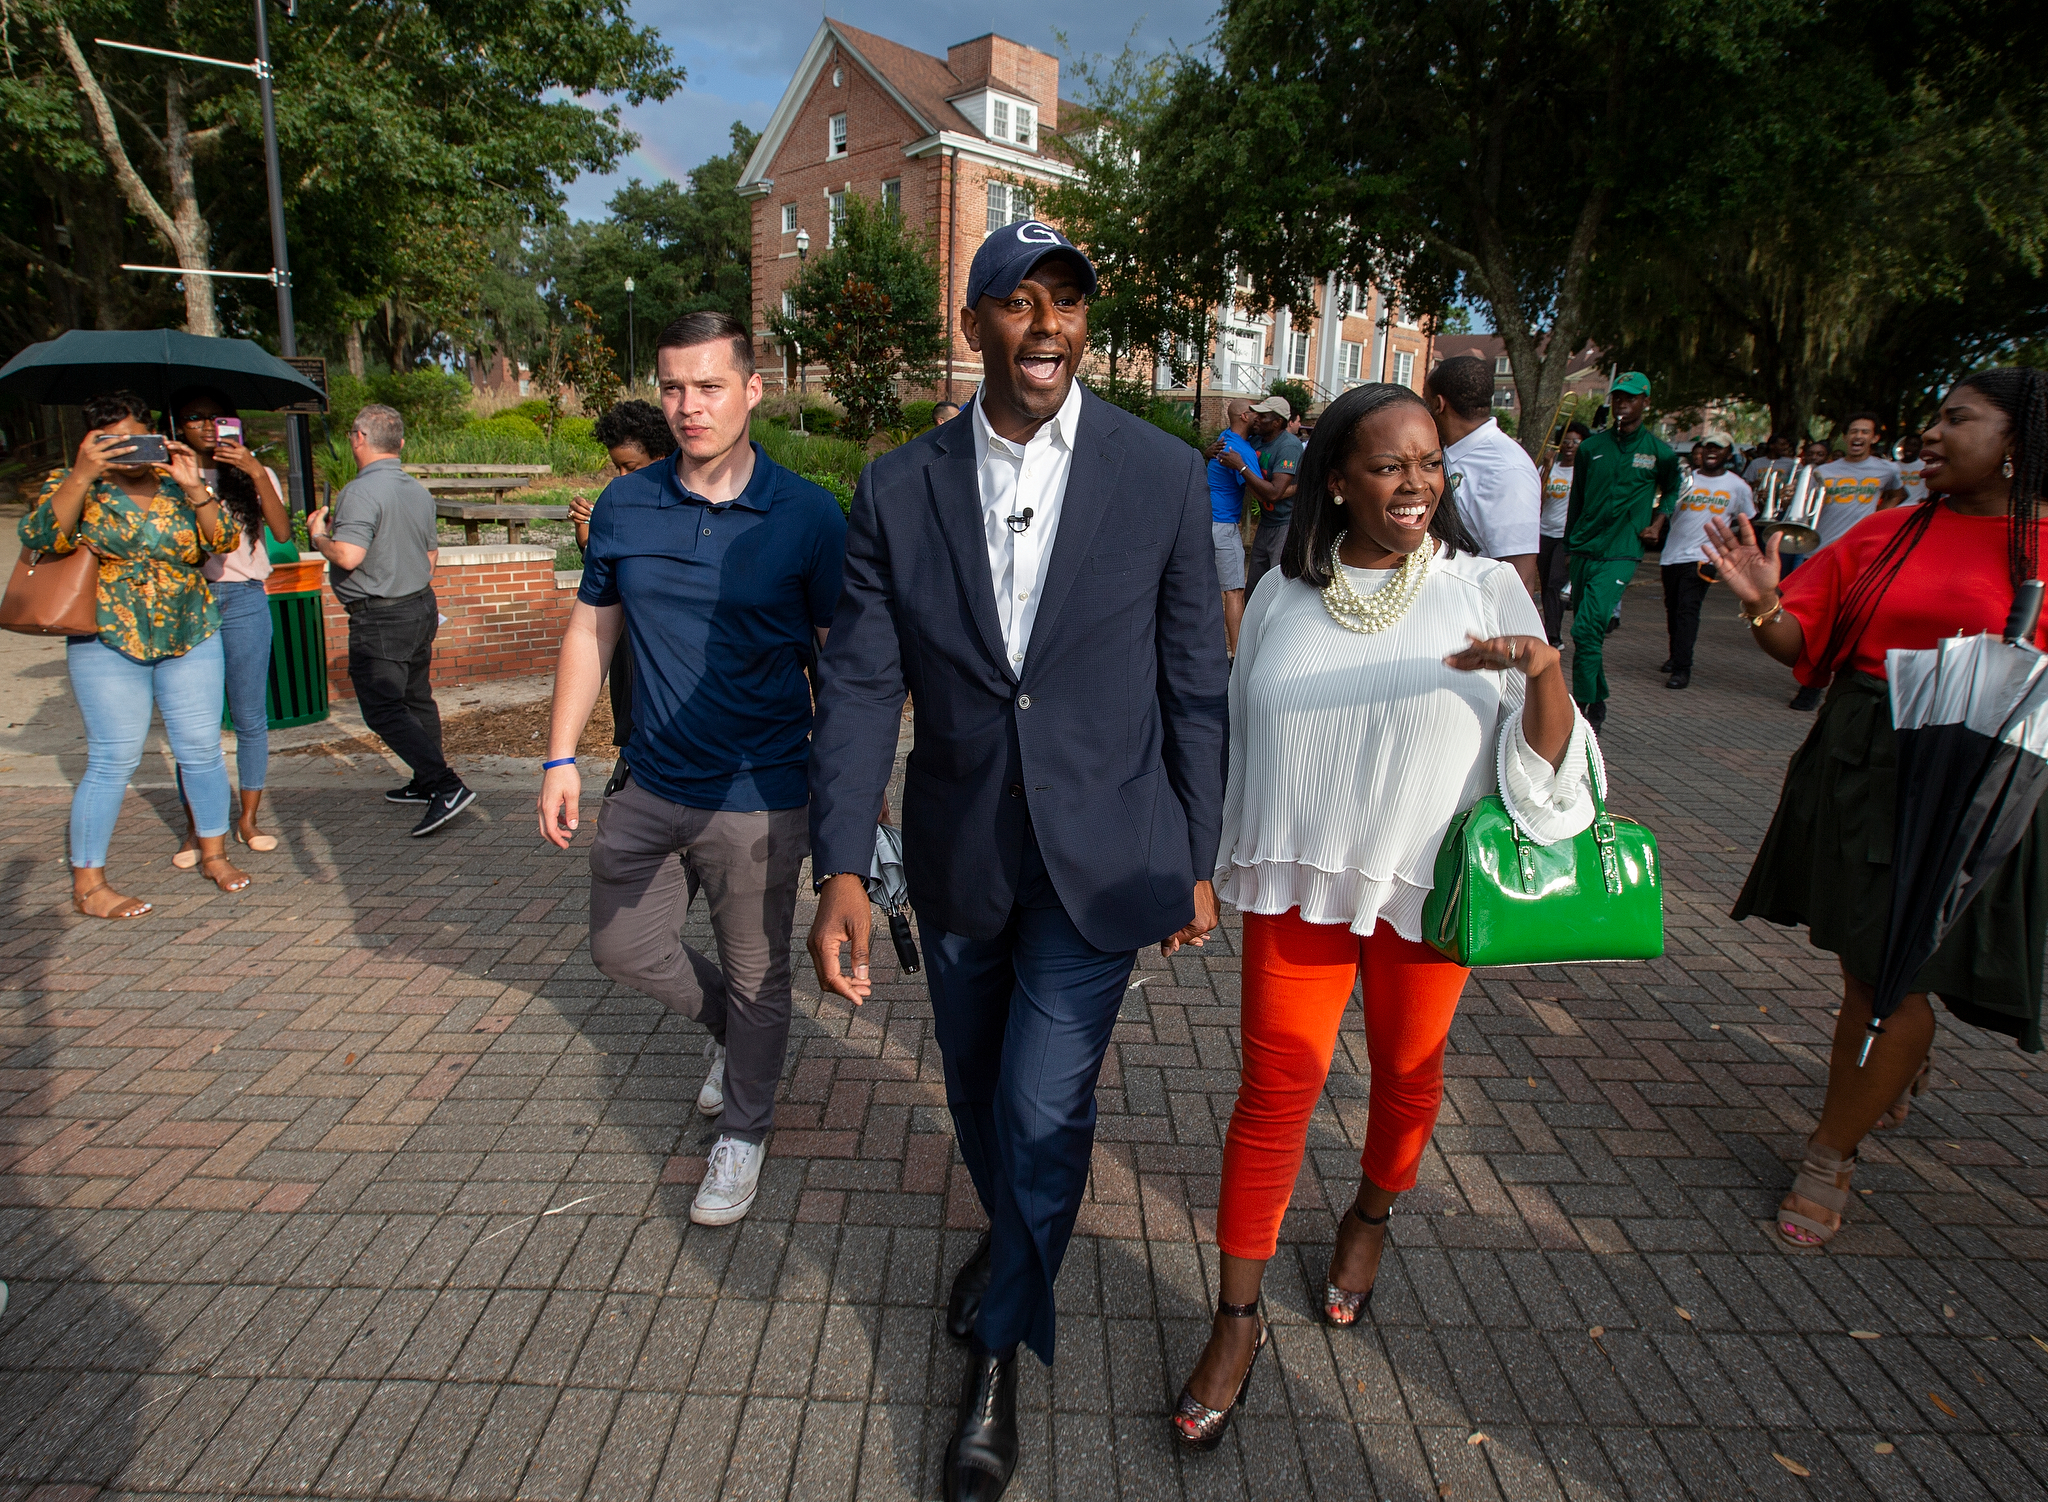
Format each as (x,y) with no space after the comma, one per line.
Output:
(2005,469)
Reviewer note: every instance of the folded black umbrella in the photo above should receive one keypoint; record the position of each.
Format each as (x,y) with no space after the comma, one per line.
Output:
(84,363)
(1972,720)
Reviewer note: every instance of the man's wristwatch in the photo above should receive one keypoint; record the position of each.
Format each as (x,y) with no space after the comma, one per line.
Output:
(818,882)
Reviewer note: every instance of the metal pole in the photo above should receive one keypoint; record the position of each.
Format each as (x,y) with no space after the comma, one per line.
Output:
(298,434)
(632,362)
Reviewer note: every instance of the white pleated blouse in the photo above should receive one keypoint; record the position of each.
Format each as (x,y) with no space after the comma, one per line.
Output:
(1350,754)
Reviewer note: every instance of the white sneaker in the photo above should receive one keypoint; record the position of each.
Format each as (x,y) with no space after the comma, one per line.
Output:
(730,1179)
(711,1099)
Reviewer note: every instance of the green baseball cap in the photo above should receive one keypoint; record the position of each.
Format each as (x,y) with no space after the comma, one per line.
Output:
(1631,383)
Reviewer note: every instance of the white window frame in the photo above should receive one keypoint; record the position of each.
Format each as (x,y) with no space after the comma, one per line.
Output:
(1026,125)
(1350,359)
(999,119)
(835,136)
(1008,204)
(835,215)
(1404,367)
(1502,366)
(892,193)
(788,305)
(789,219)
(1297,352)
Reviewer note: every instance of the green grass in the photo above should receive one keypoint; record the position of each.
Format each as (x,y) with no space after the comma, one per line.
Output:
(831,462)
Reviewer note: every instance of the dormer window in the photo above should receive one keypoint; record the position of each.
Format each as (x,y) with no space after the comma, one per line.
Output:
(1024,123)
(1000,119)
(836,143)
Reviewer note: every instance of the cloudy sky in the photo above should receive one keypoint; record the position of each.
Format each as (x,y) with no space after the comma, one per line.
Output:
(740,57)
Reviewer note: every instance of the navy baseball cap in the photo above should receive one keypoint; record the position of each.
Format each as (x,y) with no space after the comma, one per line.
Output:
(1009,254)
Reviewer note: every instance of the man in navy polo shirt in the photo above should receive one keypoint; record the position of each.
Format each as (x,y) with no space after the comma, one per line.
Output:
(723,569)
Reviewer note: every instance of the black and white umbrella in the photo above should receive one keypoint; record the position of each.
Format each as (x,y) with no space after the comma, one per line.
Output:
(1972,719)
(889,890)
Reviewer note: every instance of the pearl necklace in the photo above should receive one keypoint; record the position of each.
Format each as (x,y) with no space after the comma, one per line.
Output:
(1371,614)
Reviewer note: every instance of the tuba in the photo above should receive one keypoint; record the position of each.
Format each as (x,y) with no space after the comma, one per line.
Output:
(1790,504)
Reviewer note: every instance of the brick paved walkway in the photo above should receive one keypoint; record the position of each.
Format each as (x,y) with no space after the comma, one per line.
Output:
(364,1183)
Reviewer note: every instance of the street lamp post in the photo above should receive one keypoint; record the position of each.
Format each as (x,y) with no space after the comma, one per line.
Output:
(803,252)
(298,431)
(632,364)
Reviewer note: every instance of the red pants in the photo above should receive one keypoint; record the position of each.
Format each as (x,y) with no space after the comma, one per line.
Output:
(1297,982)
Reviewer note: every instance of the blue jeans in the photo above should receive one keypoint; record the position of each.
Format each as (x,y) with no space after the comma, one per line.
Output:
(114,695)
(245,636)
(1022,1022)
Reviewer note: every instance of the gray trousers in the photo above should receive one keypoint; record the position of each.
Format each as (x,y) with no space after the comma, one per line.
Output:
(1264,553)
(650,859)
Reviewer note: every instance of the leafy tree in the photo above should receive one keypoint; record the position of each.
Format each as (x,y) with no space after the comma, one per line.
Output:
(1862,235)
(1475,149)
(1298,396)
(868,310)
(686,246)
(407,134)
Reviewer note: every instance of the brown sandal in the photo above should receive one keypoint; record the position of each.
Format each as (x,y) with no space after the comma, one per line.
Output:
(131,907)
(1824,1180)
(229,883)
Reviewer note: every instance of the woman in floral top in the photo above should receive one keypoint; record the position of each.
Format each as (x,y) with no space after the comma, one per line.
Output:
(159,638)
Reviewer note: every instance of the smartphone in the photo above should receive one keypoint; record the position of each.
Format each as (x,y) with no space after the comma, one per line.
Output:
(227,430)
(143,448)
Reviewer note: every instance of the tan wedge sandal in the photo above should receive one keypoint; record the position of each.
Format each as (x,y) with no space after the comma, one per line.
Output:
(1824,1180)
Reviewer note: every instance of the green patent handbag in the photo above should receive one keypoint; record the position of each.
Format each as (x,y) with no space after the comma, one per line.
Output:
(1502,899)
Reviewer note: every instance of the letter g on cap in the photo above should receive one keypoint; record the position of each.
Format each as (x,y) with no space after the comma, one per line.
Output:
(1031,232)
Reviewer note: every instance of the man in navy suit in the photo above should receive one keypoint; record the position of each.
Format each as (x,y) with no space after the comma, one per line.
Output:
(1038,575)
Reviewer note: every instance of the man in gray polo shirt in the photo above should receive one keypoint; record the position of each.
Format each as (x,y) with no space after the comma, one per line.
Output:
(382,552)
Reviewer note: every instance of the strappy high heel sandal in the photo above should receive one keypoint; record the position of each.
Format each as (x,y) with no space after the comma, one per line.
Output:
(1824,1180)
(1342,1307)
(1200,1427)
(1901,1108)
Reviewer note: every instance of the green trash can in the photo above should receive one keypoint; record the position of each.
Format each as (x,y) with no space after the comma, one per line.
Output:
(298,659)
(297,693)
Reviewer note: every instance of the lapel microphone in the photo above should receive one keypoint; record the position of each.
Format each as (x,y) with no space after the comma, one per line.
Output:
(1020,522)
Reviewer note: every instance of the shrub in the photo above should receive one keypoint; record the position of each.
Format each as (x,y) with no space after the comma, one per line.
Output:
(1177,418)
(510,425)
(917,416)
(831,462)
(533,409)
(578,429)
(426,398)
(1299,397)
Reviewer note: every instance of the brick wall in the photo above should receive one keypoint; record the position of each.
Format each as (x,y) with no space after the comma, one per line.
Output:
(503,608)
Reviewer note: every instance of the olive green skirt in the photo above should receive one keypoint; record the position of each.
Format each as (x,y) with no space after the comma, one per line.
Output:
(1827,863)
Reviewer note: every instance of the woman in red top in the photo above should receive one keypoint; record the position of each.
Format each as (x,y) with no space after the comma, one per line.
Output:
(1905,577)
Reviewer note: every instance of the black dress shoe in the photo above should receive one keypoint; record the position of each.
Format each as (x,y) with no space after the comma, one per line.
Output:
(1596,714)
(982,1455)
(1807,698)
(1667,667)
(1679,679)
(969,1284)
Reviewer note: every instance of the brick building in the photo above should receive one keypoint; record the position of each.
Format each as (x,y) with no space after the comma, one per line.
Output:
(962,143)
(959,142)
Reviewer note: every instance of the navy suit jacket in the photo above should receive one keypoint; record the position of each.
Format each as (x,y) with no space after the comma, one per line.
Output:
(1109,746)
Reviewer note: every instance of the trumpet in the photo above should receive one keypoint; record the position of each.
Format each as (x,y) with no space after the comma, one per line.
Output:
(1791,505)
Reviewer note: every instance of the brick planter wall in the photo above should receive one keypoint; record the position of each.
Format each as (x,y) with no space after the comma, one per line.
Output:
(504,610)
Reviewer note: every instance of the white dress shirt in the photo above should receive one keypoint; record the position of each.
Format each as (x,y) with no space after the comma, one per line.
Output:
(1500,495)
(1013,476)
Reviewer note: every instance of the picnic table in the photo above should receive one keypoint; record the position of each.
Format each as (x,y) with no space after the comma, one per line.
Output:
(473,515)
(450,484)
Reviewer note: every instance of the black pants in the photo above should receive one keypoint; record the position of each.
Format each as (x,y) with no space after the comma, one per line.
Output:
(390,655)
(1553,569)
(1684,592)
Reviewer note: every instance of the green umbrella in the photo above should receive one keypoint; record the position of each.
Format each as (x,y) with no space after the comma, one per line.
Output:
(153,363)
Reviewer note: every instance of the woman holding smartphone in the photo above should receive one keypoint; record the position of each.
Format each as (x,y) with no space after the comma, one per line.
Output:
(158,645)
(206,422)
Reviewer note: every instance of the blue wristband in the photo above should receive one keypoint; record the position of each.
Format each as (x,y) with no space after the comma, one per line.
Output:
(560,761)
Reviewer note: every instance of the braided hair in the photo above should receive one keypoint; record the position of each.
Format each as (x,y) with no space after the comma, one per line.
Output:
(2021,393)
(1306,554)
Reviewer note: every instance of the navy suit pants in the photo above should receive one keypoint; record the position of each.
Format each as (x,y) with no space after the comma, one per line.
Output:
(1023,1020)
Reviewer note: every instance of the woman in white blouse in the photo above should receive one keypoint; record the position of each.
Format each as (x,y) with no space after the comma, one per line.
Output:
(1354,741)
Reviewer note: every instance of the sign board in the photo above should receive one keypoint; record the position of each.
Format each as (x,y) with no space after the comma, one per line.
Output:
(314,369)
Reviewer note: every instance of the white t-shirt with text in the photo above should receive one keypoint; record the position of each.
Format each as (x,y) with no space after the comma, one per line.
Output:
(1721,497)
(1557,499)
(1852,489)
